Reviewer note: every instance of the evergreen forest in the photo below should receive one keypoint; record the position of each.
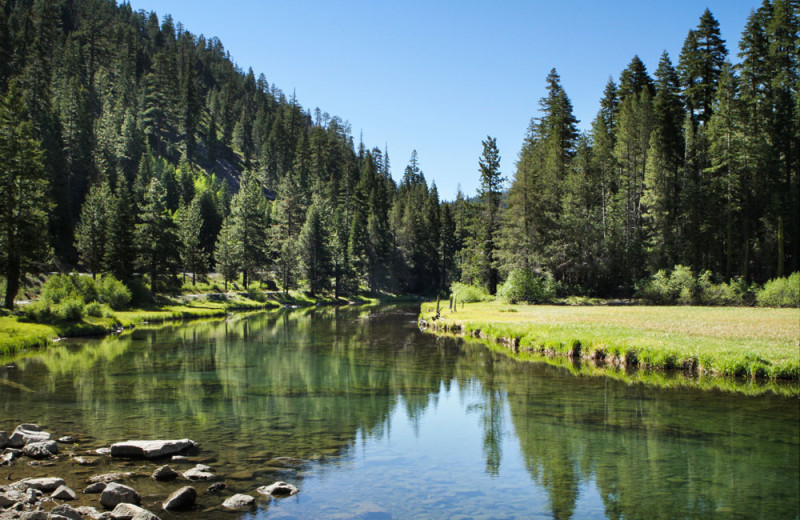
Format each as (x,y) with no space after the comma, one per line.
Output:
(131,146)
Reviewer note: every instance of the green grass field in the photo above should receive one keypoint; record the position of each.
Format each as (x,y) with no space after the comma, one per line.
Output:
(730,341)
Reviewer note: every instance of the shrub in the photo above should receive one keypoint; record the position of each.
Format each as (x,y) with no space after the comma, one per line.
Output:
(113,292)
(469,293)
(70,309)
(62,287)
(780,292)
(527,285)
(679,286)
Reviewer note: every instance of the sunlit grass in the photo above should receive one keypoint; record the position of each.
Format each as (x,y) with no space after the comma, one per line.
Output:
(731,341)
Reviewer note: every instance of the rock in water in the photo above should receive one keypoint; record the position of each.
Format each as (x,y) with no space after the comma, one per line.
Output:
(278,489)
(97,487)
(64,493)
(131,512)
(216,487)
(40,449)
(46,484)
(199,472)
(3,439)
(115,494)
(151,449)
(183,498)
(64,512)
(239,502)
(27,433)
(165,473)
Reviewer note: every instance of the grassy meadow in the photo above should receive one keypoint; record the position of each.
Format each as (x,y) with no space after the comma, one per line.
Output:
(760,343)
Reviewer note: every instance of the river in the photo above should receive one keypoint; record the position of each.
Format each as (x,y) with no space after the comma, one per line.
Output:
(379,420)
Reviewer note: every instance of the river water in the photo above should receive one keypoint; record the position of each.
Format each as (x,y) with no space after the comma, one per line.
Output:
(372,419)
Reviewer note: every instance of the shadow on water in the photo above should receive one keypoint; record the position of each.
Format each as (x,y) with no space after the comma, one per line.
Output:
(344,392)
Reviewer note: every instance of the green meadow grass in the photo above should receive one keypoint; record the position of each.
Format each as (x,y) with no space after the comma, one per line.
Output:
(759,343)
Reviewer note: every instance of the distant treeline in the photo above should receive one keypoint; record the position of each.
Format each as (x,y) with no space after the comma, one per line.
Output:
(143,148)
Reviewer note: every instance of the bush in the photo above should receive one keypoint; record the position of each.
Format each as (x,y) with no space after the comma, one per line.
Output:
(679,286)
(527,285)
(464,293)
(70,309)
(780,292)
(61,287)
(113,292)
(98,310)
(139,292)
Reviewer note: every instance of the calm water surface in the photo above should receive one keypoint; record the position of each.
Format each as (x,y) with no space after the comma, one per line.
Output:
(387,422)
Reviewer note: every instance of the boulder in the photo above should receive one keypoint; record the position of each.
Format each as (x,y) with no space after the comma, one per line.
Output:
(151,449)
(90,512)
(40,449)
(64,511)
(64,493)
(278,489)
(132,512)
(182,498)
(239,502)
(199,472)
(46,484)
(97,487)
(11,497)
(165,473)
(27,433)
(7,458)
(3,439)
(35,515)
(115,493)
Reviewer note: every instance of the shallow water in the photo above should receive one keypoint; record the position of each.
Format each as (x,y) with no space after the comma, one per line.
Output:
(387,422)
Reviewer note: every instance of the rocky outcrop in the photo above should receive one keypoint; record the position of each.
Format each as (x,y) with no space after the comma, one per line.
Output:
(278,489)
(115,493)
(151,449)
(239,502)
(181,499)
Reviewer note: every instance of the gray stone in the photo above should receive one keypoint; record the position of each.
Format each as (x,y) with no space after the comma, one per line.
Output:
(111,477)
(165,473)
(239,502)
(64,493)
(34,515)
(84,461)
(11,497)
(97,487)
(131,512)
(65,511)
(27,433)
(151,449)
(3,439)
(89,511)
(199,472)
(67,439)
(46,484)
(40,449)
(115,493)
(182,498)
(103,451)
(278,489)
(216,487)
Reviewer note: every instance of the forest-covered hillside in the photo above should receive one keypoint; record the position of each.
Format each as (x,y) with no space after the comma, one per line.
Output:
(132,146)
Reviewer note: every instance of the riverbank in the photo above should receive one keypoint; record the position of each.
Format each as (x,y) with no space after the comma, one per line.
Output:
(18,333)
(756,343)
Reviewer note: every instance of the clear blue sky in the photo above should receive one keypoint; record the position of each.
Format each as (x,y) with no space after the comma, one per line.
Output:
(439,76)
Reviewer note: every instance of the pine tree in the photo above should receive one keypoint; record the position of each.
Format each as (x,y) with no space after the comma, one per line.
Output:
(227,252)
(190,225)
(120,248)
(156,237)
(314,251)
(489,192)
(24,202)
(91,233)
(250,223)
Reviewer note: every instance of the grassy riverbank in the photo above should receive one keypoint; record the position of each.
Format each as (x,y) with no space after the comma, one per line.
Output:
(728,341)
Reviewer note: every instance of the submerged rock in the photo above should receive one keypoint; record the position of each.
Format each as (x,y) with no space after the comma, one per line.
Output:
(165,473)
(239,501)
(151,449)
(216,487)
(111,477)
(199,472)
(115,493)
(27,433)
(182,498)
(278,489)
(40,449)
(84,461)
